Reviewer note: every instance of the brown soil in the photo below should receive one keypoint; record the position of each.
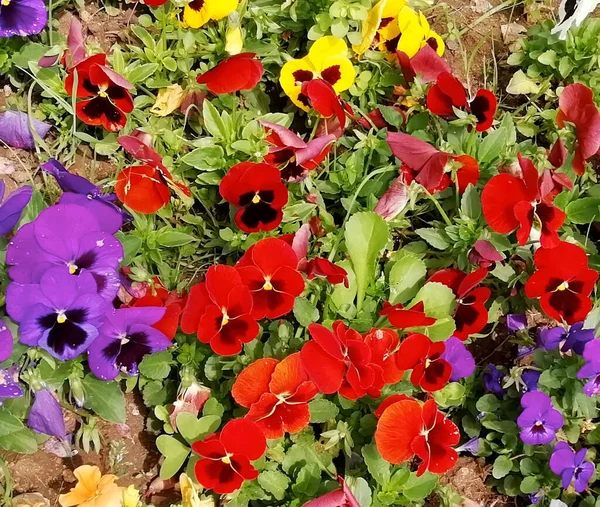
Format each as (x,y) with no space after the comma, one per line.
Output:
(25,165)
(128,451)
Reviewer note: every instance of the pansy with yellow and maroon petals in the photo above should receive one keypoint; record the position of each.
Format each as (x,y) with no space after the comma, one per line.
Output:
(199,12)
(327,60)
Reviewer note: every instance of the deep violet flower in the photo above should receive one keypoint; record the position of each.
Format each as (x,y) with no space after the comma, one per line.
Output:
(516,322)
(9,383)
(22,17)
(81,191)
(539,420)
(61,315)
(14,125)
(46,416)
(536,497)
(12,208)
(471,446)
(461,360)
(571,466)
(6,342)
(574,339)
(591,368)
(69,236)
(492,379)
(530,379)
(125,338)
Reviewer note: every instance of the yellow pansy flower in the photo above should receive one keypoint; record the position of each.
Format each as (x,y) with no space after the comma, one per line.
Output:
(168,100)
(327,59)
(131,497)
(370,26)
(234,40)
(415,32)
(199,12)
(93,489)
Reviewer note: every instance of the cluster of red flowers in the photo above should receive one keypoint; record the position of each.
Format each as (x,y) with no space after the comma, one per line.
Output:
(407,428)
(224,309)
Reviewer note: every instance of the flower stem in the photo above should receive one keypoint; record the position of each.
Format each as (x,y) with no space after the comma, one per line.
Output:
(438,206)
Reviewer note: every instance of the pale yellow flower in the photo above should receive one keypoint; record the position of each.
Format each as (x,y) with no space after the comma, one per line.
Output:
(168,100)
(131,497)
(234,41)
(93,489)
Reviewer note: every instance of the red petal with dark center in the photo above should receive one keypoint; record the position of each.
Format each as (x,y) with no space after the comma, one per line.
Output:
(241,436)
(483,106)
(413,350)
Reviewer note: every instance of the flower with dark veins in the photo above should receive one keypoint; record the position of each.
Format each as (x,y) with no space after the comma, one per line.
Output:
(539,420)
(22,17)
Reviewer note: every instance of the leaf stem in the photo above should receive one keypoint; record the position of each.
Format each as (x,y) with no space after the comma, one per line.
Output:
(438,206)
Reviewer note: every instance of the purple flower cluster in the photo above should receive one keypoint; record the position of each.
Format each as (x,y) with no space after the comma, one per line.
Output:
(575,338)
(64,271)
(492,379)
(571,466)
(591,369)
(539,420)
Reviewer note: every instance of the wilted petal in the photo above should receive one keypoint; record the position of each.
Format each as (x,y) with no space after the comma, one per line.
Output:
(394,200)
(14,129)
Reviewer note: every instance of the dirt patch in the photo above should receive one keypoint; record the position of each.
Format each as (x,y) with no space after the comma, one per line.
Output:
(128,451)
(25,164)
(87,166)
(101,28)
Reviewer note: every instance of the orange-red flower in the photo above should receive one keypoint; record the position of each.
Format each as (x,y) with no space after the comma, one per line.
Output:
(277,394)
(406,428)
(238,72)
(403,318)
(429,370)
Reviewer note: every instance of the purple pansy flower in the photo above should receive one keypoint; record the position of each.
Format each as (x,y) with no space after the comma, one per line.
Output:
(14,125)
(471,446)
(69,236)
(12,208)
(536,496)
(79,190)
(571,466)
(492,379)
(574,339)
(61,315)
(125,338)
(6,342)
(46,416)
(530,378)
(539,420)
(9,383)
(516,322)
(591,368)
(461,360)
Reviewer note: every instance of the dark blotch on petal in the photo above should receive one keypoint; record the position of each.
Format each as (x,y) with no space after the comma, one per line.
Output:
(332,74)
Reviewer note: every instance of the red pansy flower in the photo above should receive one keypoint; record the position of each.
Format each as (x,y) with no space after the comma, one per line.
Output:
(219,311)
(105,93)
(557,155)
(426,63)
(158,295)
(406,428)
(449,93)
(384,347)
(225,457)
(484,254)
(563,282)
(321,96)
(323,268)
(470,315)
(510,202)
(277,394)
(419,354)
(257,192)
(294,157)
(146,188)
(576,106)
(338,361)
(238,72)
(154,3)
(403,318)
(428,166)
(390,400)
(269,271)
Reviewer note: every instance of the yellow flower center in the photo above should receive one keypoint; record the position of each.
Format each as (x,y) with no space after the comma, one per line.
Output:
(256,199)
(225,317)
(563,286)
(268,285)
(102,92)
(5,2)
(62,318)
(226,460)
(72,268)
(427,363)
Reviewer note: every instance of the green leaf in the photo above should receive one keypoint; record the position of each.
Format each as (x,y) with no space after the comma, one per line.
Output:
(305,312)
(141,72)
(391,116)
(274,482)
(366,235)
(406,277)
(342,295)
(360,489)
(156,366)
(193,429)
(584,210)
(22,441)
(173,238)
(378,467)
(438,300)
(434,237)
(521,83)
(470,203)
(418,488)
(8,423)
(529,485)
(131,246)
(104,398)
(322,410)
(175,454)
(212,121)
(206,158)
(502,466)
(492,146)
(488,403)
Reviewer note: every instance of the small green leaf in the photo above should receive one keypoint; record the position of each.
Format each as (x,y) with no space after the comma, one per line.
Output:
(8,423)
(502,466)
(212,121)
(142,72)
(22,441)
(322,410)
(366,235)
(378,467)
(156,366)
(406,277)
(193,429)
(529,485)
(438,300)
(173,238)
(584,210)
(305,312)
(470,204)
(391,116)
(175,454)
(437,239)
(418,488)
(492,146)
(105,398)
(274,482)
